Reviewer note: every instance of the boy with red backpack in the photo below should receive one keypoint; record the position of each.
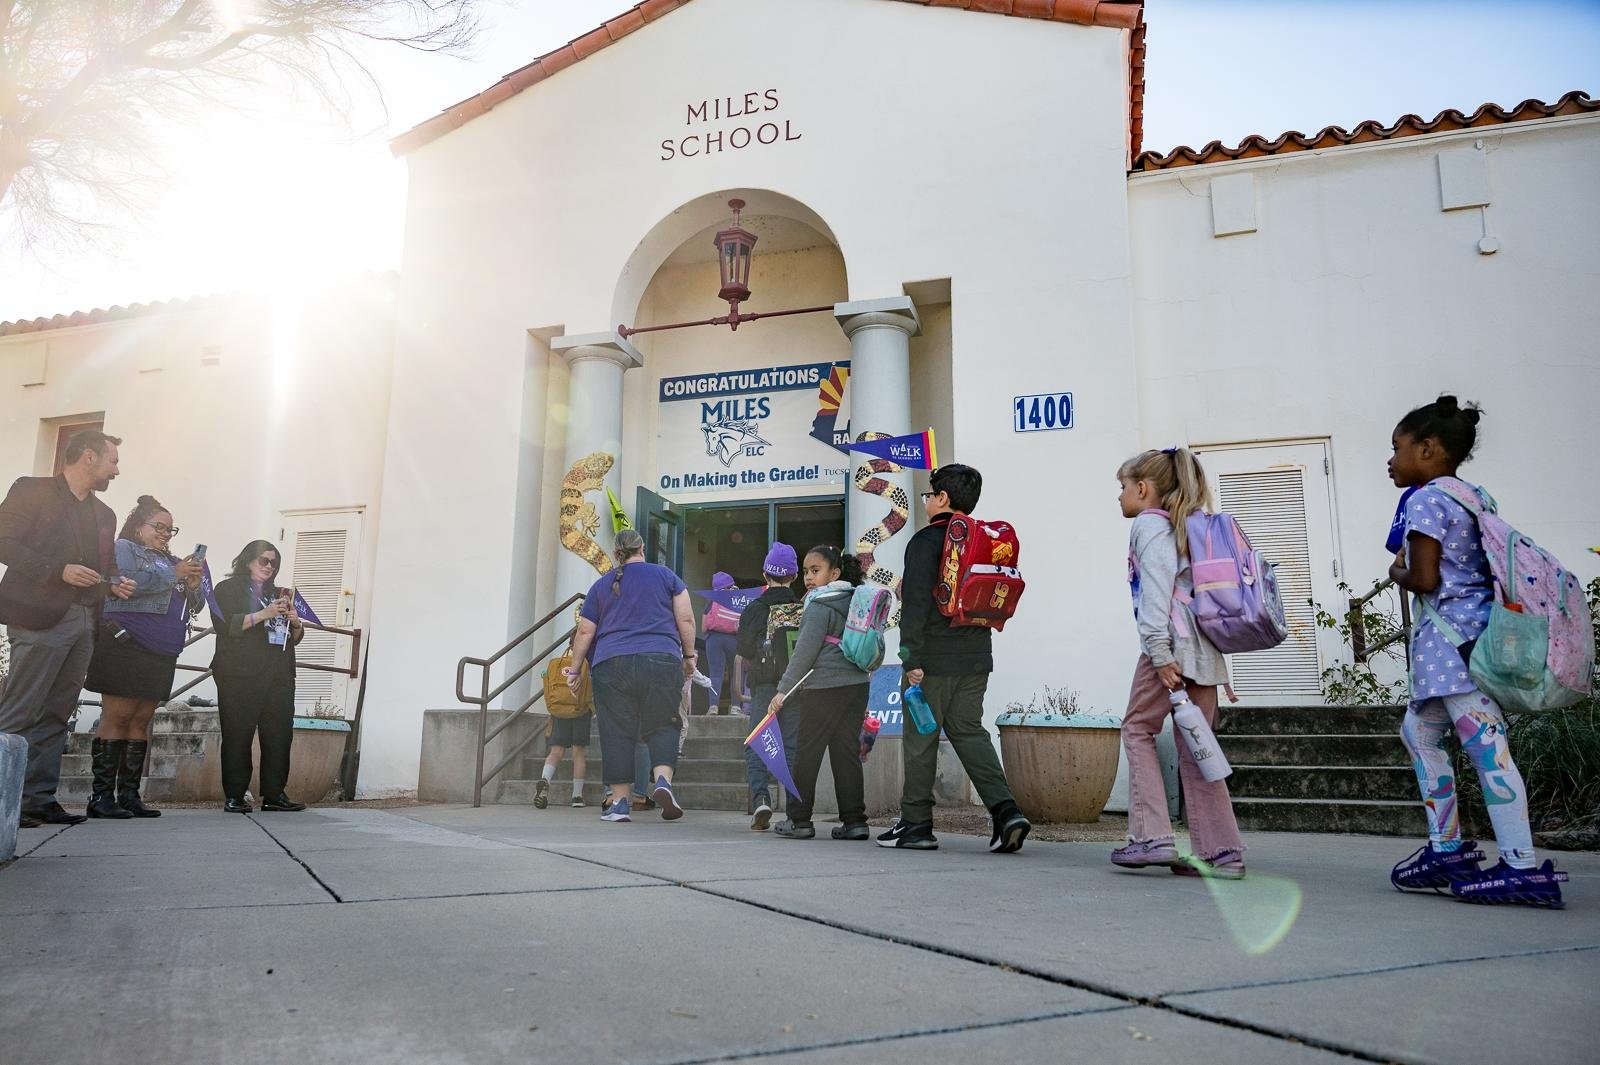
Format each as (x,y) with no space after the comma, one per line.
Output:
(951,662)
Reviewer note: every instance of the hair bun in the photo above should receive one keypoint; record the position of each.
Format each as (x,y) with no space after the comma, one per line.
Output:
(1447,404)
(149,501)
(1471,413)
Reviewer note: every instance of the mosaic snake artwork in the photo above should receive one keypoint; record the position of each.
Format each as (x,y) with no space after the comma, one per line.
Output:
(869,479)
(580,521)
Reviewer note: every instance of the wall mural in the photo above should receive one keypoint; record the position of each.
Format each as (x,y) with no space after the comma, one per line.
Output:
(580,521)
(869,479)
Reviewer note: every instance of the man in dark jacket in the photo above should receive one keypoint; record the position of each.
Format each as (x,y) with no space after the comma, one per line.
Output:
(780,569)
(952,664)
(56,542)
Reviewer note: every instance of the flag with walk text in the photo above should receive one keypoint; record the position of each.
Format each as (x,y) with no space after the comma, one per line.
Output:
(915,452)
(735,599)
(767,741)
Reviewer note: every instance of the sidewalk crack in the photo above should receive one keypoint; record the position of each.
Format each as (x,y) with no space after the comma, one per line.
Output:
(312,873)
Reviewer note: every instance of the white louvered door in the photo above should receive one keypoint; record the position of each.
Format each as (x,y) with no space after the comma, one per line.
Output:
(1282,497)
(320,559)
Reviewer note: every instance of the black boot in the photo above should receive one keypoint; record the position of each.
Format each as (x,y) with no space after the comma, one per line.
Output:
(128,777)
(104,757)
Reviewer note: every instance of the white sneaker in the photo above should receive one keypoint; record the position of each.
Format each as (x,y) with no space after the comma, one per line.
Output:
(762,818)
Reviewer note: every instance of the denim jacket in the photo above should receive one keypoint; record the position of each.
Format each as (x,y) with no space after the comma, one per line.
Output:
(154,575)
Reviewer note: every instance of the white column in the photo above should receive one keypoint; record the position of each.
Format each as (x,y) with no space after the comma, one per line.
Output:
(597,362)
(880,333)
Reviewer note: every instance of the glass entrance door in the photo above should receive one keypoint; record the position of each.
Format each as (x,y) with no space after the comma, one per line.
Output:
(662,528)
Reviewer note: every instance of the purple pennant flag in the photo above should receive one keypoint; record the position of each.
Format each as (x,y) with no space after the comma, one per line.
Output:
(767,741)
(301,607)
(735,599)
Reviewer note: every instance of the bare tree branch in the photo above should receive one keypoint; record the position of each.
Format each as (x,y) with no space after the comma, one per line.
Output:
(81,81)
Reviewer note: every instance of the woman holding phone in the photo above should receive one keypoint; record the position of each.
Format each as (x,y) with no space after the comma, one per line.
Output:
(257,631)
(136,654)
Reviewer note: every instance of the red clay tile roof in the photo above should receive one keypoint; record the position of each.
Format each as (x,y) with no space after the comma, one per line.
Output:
(1122,14)
(1573,103)
(103,314)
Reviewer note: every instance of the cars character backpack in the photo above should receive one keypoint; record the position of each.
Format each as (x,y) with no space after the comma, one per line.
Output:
(978,583)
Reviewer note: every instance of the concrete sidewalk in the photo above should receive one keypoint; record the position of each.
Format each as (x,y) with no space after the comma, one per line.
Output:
(447,934)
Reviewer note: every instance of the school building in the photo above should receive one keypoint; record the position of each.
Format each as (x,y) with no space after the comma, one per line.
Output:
(956,200)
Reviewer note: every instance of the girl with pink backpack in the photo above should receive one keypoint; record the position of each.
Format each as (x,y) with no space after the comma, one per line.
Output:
(1443,562)
(1161,490)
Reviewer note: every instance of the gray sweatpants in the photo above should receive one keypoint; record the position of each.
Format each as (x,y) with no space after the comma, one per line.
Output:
(42,688)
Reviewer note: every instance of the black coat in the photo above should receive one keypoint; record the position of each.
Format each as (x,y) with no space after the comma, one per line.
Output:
(38,539)
(243,652)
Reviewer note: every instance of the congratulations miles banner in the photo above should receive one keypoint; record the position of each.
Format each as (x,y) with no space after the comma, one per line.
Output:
(770,431)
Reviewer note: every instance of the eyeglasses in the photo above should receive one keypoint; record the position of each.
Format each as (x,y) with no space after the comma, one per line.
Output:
(163,530)
(928,495)
(265,560)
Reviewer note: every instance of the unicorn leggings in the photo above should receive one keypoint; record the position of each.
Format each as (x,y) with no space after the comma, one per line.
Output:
(1481,725)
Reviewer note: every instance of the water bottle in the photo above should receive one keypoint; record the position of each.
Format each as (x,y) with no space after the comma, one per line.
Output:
(916,705)
(1198,737)
(869,735)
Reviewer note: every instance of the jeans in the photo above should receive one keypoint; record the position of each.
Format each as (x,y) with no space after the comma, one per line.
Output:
(636,701)
(1212,827)
(721,652)
(41,693)
(830,720)
(957,705)
(755,770)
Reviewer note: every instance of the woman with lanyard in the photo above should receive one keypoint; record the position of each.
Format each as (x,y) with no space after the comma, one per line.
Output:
(637,631)
(136,656)
(257,631)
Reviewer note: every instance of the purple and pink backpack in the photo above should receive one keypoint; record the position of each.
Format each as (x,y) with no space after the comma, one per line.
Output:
(1538,650)
(1236,602)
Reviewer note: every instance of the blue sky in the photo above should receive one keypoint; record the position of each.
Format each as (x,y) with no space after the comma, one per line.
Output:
(248,203)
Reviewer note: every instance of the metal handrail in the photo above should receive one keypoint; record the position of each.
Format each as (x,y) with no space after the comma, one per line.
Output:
(1358,625)
(353,670)
(486,695)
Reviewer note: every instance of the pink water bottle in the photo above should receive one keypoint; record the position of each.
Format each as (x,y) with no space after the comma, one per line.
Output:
(869,736)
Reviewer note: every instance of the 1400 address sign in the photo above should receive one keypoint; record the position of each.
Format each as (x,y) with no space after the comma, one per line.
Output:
(1037,414)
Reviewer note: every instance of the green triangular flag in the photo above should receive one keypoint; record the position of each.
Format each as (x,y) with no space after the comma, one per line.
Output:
(619,518)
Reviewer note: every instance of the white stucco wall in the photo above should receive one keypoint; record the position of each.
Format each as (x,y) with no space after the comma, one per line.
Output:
(1358,299)
(290,417)
(529,217)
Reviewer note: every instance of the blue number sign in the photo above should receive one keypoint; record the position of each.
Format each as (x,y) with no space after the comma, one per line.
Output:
(1035,414)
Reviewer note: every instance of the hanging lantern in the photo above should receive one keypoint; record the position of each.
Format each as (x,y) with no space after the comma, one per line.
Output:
(734,245)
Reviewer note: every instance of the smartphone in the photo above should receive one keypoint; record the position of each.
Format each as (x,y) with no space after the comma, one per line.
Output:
(199,553)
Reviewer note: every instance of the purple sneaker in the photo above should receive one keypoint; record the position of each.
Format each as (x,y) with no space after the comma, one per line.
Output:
(1139,855)
(1229,865)
(1435,870)
(1503,884)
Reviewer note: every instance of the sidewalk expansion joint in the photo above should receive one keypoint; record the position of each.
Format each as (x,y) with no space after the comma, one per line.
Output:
(312,873)
(1381,970)
(17,857)
(896,1037)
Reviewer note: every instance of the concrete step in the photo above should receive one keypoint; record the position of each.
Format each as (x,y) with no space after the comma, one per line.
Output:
(1387,783)
(183,720)
(1360,749)
(719,748)
(173,745)
(1377,818)
(1309,720)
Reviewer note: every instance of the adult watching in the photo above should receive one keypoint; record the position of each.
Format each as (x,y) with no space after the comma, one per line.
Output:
(136,656)
(254,668)
(637,631)
(55,543)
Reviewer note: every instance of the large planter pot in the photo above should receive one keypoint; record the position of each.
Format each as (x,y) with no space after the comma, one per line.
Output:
(1060,768)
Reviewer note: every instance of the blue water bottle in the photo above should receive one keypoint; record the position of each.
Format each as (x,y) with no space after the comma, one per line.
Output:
(916,705)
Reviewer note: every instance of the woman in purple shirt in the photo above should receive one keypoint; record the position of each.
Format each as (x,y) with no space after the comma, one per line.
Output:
(135,655)
(637,632)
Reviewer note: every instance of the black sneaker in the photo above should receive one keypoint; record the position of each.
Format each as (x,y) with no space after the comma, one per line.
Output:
(858,830)
(282,804)
(1010,830)
(795,829)
(53,814)
(907,836)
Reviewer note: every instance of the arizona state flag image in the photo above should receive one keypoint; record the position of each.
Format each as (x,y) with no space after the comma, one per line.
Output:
(915,452)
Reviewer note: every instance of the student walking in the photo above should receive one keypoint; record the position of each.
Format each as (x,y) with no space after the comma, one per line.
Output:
(1443,562)
(1160,489)
(832,698)
(722,648)
(779,571)
(561,733)
(952,663)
